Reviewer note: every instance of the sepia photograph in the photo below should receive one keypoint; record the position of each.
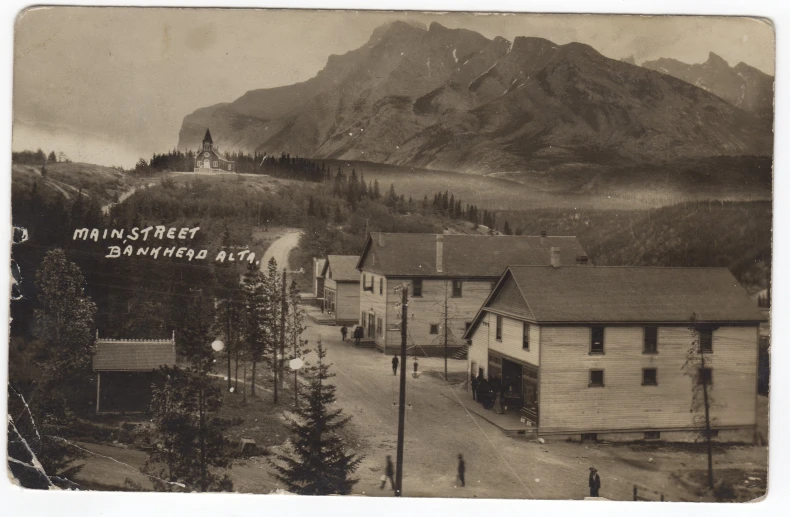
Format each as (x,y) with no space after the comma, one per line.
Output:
(391,253)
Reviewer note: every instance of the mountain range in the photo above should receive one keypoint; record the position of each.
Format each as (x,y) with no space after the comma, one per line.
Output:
(453,99)
(741,85)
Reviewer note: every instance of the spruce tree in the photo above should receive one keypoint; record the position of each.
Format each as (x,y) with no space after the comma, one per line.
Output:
(319,463)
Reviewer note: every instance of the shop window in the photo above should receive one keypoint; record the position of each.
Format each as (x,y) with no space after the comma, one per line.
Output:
(651,340)
(457,288)
(525,339)
(499,328)
(590,437)
(706,340)
(714,433)
(416,287)
(652,435)
(434,329)
(596,378)
(649,377)
(596,340)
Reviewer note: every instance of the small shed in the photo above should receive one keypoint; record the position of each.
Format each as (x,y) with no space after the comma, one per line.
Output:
(127,370)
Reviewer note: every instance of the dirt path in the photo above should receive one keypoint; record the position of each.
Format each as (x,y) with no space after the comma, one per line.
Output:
(280,249)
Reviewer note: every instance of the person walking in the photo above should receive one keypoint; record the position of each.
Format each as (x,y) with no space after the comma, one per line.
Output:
(395,363)
(358,332)
(595,482)
(343,332)
(389,471)
(461,470)
(475,384)
(415,364)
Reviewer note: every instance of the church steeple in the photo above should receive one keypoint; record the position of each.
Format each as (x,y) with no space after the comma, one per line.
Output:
(207,141)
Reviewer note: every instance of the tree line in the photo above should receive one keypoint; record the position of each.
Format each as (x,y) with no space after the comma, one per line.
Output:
(38,157)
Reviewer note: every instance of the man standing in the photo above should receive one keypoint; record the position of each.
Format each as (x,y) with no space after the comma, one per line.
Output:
(343,332)
(358,332)
(395,363)
(461,470)
(475,384)
(595,482)
(389,471)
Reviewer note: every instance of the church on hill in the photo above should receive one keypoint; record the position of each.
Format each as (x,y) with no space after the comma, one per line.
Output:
(208,159)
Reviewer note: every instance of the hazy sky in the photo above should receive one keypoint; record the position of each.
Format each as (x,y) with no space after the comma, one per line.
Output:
(108,85)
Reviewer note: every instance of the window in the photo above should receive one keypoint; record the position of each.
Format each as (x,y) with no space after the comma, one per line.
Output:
(596,340)
(525,339)
(705,376)
(457,288)
(364,320)
(216,163)
(649,377)
(198,163)
(652,435)
(714,433)
(365,283)
(596,378)
(590,437)
(651,340)
(434,329)
(416,287)
(381,286)
(706,340)
(378,326)
(499,328)
(229,167)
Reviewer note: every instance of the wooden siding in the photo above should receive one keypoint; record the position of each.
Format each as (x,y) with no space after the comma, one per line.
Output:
(478,351)
(569,404)
(510,299)
(347,300)
(428,310)
(512,340)
(373,300)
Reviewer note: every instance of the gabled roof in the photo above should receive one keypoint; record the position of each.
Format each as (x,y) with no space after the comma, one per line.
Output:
(344,268)
(320,263)
(133,355)
(207,138)
(414,254)
(621,295)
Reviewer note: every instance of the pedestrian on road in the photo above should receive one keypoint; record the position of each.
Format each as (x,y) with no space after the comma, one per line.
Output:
(475,384)
(343,332)
(395,362)
(595,482)
(461,470)
(415,364)
(358,332)
(389,471)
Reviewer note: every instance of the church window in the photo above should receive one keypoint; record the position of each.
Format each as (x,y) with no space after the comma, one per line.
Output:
(215,163)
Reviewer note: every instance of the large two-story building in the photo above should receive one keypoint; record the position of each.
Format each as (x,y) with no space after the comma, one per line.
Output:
(603,352)
(341,288)
(449,277)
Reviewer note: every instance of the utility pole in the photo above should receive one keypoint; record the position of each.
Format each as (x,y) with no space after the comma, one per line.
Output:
(707,415)
(402,394)
(227,312)
(445,330)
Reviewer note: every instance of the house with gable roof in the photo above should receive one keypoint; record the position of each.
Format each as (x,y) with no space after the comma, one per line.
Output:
(600,352)
(341,288)
(449,277)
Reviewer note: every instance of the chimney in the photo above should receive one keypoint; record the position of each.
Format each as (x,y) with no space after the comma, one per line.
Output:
(542,238)
(555,257)
(381,239)
(439,252)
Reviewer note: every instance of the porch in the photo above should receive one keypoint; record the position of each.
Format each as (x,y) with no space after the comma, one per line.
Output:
(512,422)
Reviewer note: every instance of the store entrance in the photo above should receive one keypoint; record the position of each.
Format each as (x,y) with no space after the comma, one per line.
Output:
(511,385)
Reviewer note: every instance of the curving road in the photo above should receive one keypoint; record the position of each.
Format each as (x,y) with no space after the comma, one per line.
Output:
(280,249)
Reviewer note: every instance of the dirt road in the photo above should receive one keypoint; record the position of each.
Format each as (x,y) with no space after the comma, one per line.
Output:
(438,428)
(280,249)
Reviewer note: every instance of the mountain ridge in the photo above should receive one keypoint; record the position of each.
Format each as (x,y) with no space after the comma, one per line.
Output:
(453,99)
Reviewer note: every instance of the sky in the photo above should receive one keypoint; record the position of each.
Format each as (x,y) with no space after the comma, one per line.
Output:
(109,85)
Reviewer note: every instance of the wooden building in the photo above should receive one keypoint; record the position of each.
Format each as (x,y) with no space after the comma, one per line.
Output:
(599,352)
(127,369)
(208,158)
(318,280)
(449,278)
(341,288)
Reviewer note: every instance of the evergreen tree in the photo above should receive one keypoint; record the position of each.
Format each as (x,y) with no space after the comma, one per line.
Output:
(257,323)
(320,463)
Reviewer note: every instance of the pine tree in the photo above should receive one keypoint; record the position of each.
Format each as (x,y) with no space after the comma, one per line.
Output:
(319,463)
(257,321)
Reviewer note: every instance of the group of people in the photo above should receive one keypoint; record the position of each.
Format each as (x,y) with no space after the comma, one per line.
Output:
(357,334)
(389,472)
(488,392)
(396,362)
